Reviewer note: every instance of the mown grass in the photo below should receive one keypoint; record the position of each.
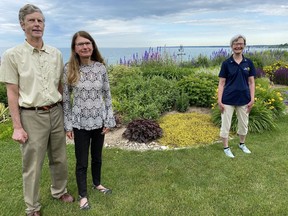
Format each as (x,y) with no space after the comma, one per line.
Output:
(195,181)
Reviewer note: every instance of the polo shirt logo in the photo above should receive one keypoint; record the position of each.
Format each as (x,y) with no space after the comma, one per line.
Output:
(246,69)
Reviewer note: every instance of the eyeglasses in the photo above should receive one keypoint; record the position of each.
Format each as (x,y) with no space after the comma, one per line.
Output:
(238,44)
(83,43)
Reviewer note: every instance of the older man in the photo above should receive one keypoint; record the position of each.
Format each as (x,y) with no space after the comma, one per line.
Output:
(32,72)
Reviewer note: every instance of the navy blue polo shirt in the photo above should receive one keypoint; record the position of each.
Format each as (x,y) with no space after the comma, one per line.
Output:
(236,90)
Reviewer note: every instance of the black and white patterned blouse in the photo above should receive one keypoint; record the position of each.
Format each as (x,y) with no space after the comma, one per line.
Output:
(88,104)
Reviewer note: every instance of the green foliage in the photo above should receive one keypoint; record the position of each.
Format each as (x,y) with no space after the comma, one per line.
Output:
(118,73)
(256,59)
(210,71)
(165,71)
(6,130)
(139,97)
(188,129)
(152,87)
(263,82)
(142,131)
(200,88)
(3,94)
(182,102)
(268,57)
(4,113)
(261,119)
(270,98)
(201,61)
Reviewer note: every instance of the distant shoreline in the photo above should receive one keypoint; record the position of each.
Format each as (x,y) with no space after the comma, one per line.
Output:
(116,55)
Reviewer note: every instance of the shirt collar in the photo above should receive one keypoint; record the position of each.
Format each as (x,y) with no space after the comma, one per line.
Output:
(32,49)
(231,59)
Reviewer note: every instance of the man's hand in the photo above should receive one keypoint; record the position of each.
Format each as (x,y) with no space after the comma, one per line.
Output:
(20,135)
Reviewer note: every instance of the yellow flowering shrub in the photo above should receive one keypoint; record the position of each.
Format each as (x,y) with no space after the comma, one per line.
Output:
(270,69)
(271,98)
(188,130)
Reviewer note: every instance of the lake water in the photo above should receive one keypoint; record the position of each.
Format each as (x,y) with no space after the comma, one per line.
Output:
(113,55)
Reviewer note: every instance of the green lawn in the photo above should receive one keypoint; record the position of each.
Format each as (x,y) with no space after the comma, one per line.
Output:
(199,181)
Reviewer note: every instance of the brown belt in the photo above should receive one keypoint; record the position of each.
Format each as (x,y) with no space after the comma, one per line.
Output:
(40,108)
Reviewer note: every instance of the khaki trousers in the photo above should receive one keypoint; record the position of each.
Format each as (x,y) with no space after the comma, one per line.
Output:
(45,134)
(242,117)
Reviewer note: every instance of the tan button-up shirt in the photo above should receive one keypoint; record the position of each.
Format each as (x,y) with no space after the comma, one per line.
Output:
(37,73)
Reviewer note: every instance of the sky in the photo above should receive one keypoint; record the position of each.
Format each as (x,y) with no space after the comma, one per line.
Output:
(152,23)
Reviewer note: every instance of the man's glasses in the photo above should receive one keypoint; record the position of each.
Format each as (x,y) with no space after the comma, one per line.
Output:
(83,43)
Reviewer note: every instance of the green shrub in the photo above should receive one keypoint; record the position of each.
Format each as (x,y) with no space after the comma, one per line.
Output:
(201,61)
(182,102)
(200,88)
(256,59)
(166,71)
(210,71)
(260,118)
(139,97)
(270,98)
(268,57)
(117,72)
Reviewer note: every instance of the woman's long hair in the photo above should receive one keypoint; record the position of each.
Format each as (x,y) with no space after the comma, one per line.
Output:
(74,63)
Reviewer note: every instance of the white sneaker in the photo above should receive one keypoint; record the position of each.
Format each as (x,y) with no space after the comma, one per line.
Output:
(244,148)
(228,153)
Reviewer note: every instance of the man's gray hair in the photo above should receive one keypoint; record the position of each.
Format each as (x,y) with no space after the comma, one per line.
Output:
(28,9)
(236,38)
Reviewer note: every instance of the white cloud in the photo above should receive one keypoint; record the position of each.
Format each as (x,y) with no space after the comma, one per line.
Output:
(144,23)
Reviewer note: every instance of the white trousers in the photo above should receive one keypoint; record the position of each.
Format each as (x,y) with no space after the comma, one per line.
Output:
(226,117)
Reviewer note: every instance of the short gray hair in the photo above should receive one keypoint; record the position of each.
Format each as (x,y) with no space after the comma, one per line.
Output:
(28,9)
(236,38)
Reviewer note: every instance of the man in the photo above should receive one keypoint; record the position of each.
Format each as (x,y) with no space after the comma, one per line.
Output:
(33,73)
(236,91)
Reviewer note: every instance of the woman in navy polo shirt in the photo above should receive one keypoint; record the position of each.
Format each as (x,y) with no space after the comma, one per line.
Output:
(236,91)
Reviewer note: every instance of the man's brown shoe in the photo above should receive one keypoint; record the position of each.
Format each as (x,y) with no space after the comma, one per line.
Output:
(35,213)
(67,198)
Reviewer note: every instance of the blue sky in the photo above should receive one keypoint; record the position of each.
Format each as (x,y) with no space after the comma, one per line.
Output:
(152,23)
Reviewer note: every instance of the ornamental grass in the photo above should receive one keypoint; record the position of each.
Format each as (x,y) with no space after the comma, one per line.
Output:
(188,130)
